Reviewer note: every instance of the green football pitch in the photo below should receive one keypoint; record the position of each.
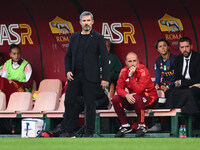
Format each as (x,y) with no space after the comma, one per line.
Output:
(100,143)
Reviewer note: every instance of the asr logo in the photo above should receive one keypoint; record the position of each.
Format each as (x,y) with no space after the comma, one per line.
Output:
(119,32)
(15,33)
(172,29)
(61,31)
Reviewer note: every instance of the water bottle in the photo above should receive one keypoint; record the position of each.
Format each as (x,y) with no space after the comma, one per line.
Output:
(13,129)
(184,131)
(181,131)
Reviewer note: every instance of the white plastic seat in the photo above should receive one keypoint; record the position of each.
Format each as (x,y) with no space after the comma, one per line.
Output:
(19,101)
(51,85)
(161,93)
(45,101)
(59,112)
(2,101)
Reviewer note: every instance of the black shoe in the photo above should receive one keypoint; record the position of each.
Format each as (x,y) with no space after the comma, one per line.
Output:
(58,129)
(122,131)
(66,134)
(141,131)
(88,135)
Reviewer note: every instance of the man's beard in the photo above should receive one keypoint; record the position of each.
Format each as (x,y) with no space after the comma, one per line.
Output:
(86,28)
(186,54)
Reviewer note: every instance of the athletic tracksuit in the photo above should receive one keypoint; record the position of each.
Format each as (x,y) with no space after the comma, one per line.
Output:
(140,84)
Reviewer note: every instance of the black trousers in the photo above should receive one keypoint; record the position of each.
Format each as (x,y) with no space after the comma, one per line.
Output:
(187,99)
(77,87)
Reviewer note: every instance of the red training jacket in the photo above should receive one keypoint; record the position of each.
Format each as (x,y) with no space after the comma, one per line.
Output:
(140,83)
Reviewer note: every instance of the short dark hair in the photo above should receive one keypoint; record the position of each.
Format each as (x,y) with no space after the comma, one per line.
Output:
(161,40)
(14,46)
(185,39)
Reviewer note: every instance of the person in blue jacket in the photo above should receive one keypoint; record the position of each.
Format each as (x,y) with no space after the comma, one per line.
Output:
(164,74)
(164,66)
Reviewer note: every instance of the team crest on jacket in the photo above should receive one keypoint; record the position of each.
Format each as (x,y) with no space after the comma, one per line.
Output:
(144,100)
(172,29)
(61,31)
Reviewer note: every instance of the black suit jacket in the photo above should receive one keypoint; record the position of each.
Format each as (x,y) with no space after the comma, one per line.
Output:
(95,47)
(194,70)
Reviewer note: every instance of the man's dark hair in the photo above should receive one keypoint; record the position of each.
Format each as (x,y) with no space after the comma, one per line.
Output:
(161,40)
(13,46)
(185,39)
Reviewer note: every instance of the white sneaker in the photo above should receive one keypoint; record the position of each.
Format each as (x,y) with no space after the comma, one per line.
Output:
(156,127)
(122,131)
(141,130)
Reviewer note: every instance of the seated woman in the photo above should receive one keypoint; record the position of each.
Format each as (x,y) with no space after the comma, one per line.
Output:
(17,73)
(164,66)
(164,74)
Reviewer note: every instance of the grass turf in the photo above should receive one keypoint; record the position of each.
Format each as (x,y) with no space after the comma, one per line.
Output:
(100,143)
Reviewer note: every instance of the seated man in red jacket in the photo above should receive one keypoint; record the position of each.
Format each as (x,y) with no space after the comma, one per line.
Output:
(140,96)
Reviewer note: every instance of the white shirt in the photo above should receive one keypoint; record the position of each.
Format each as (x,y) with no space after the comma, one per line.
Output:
(187,76)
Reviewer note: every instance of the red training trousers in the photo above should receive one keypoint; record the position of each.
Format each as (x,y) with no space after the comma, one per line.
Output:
(142,103)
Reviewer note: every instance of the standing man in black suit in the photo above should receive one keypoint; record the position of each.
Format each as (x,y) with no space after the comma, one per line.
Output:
(186,75)
(83,73)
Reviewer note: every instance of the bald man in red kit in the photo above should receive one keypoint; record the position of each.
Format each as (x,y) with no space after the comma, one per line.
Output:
(141,94)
